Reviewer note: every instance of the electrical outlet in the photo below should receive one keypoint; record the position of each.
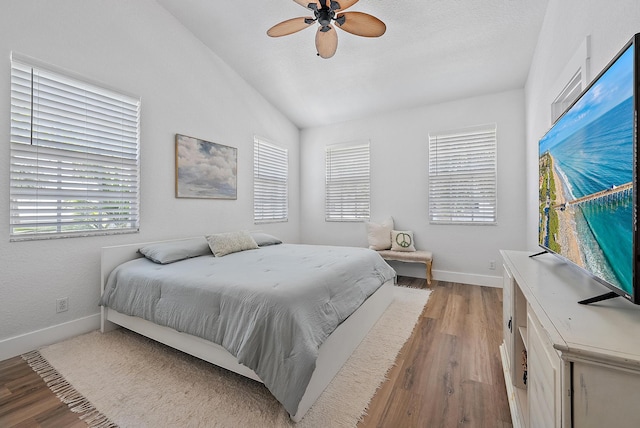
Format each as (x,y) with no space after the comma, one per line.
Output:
(62,305)
(492,264)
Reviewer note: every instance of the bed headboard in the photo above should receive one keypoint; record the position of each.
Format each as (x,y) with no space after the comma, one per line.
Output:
(113,256)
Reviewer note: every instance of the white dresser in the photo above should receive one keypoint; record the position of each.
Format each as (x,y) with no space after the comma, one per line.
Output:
(582,361)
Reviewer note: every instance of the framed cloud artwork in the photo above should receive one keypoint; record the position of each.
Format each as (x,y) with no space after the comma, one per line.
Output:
(205,170)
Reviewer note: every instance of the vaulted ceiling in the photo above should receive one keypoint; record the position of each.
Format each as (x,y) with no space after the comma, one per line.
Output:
(433,51)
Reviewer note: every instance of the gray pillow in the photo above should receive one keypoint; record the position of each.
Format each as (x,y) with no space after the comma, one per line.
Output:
(173,251)
(222,244)
(264,239)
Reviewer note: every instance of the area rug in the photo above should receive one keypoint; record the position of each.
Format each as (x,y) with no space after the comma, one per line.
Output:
(123,379)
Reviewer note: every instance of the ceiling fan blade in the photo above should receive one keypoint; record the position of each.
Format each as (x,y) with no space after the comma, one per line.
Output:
(345,4)
(361,24)
(289,26)
(326,42)
(305,3)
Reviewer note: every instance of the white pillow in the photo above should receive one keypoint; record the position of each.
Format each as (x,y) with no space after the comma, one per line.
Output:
(379,235)
(222,244)
(402,240)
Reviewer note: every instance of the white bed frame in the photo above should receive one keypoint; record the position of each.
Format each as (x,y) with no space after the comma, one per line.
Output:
(333,353)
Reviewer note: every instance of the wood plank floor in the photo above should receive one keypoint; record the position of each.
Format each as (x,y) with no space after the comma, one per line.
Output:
(448,374)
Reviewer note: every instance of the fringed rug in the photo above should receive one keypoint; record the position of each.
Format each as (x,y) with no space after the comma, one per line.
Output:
(123,379)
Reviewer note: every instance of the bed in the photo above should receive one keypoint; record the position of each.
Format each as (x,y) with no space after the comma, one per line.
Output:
(310,348)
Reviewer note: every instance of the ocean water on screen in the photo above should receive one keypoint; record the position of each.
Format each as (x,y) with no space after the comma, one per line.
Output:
(594,158)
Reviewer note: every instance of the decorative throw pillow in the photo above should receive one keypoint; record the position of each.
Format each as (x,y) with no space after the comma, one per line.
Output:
(379,235)
(402,240)
(264,239)
(174,251)
(232,242)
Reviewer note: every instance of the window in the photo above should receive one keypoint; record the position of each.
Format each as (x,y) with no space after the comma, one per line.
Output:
(347,182)
(462,176)
(567,96)
(270,182)
(571,80)
(74,157)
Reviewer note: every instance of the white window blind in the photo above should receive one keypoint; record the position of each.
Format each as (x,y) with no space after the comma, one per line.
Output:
(348,182)
(270,182)
(462,176)
(74,157)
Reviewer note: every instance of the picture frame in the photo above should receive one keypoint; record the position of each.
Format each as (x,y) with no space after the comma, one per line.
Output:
(205,170)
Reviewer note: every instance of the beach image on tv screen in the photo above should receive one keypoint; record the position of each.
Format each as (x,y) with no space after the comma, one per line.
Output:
(586,179)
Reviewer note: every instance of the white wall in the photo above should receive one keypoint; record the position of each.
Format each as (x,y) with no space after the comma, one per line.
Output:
(135,46)
(399,179)
(610,24)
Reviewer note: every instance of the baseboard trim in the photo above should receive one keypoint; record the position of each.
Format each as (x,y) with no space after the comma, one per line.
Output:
(416,270)
(23,343)
(466,278)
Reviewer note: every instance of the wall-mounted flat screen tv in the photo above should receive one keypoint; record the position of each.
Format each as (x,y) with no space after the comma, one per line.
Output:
(588,180)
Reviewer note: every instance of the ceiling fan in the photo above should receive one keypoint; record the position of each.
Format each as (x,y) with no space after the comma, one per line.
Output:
(325,11)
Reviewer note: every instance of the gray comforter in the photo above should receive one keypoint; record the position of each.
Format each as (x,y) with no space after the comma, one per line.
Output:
(271,307)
